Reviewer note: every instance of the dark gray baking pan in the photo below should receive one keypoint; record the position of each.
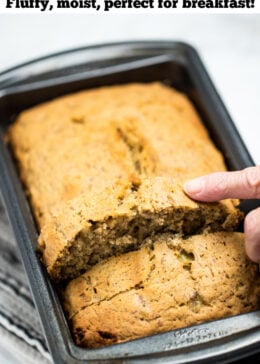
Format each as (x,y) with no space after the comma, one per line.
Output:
(176,64)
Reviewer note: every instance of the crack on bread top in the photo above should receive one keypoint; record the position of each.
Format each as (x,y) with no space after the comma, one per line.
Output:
(143,156)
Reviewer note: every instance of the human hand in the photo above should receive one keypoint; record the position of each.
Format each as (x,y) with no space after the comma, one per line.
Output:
(243,184)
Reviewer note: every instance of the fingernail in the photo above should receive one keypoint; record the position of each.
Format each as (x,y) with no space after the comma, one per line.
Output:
(194,186)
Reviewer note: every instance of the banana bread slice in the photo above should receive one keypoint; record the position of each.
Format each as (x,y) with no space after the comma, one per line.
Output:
(169,283)
(91,228)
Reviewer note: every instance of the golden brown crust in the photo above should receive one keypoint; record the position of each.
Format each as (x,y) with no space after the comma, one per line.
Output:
(167,284)
(93,139)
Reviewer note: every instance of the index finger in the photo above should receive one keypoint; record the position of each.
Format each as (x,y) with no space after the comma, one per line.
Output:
(243,184)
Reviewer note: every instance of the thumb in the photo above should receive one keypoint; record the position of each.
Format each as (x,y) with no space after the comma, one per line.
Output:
(252,235)
(243,184)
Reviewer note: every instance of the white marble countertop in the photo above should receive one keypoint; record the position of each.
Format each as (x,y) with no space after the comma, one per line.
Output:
(228,44)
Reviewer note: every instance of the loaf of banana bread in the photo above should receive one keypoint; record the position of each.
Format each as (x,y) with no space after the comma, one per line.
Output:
(104,169)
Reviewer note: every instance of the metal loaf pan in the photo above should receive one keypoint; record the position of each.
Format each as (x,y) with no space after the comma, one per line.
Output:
(178,65)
